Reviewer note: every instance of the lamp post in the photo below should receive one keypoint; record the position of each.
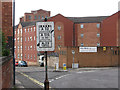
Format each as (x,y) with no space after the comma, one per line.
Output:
(13,42)
(73,52)
(46,82)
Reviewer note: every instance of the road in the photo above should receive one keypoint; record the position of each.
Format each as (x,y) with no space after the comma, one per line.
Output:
(33,77)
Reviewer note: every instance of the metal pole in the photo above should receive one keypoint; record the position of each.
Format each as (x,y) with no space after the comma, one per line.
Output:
(46,82)
(13,42)
(73,61)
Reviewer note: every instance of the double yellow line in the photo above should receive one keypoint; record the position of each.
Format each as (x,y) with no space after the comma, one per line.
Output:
(33,80)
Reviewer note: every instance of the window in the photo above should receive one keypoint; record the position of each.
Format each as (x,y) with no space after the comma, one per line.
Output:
(18,31)
(82,44)
(34,28)
(31,47)
(98,44)
(45,16)
(34,37)
(31,29)
(28,38)
(25,47)
(28,29)
(21,47)
(59,37)
(82,26)
(38,17)
(15,32)
(21,39)
(14,46)
(42,17)
(25,30)
(18,39)
(15,39)
(98,35)
(31,56)
(59,28)
(31,38)
(18,47)
(98,25)
(21,56)
(28,47)
(34,47)
(29,17)
(18,56)
(25,38)
(34,56)
(21,31)
(82,35)
(35,17)
(25,55)
(28,56)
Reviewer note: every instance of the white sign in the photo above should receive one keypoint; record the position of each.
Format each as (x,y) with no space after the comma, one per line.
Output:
(45,36)
(87,49)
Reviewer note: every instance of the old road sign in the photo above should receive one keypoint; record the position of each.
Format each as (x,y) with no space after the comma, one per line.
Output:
(45,36)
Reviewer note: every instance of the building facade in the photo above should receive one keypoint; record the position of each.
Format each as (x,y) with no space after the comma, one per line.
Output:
(35,16)
(25,37)
(71,33)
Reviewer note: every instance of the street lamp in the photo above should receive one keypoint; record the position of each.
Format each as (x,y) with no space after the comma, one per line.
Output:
(73,52)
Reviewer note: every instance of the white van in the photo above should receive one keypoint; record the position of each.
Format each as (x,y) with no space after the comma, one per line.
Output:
(41,60)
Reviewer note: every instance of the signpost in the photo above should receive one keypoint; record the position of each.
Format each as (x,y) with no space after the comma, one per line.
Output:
(45,42)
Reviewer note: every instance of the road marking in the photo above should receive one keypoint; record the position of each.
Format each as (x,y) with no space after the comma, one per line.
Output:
(85,71)
(32,79)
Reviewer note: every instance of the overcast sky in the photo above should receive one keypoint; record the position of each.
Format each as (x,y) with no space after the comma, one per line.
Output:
(68,8)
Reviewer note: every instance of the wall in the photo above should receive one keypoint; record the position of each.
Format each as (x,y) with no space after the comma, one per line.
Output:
(99,59)
(90,32)
(7,72)
(109,31)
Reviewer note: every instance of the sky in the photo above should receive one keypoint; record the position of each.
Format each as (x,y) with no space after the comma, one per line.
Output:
(68,8)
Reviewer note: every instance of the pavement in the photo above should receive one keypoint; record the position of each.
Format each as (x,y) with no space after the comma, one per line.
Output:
(19,85)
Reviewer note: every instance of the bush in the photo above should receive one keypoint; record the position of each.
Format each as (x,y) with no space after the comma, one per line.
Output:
(5,52)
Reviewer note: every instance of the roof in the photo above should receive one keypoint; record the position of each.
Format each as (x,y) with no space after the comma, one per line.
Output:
(87,19)
(25,24)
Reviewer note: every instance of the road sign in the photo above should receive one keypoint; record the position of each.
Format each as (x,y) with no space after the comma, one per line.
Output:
(45,36)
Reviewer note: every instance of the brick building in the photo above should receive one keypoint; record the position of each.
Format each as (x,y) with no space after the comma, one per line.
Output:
(110,35)
(35,16)
(6,63)
(71,33)
(25,36)
(74,32)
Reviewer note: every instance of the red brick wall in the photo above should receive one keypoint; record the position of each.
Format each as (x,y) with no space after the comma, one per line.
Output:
(7,74)
(7,18)
(90,31)
(109,32)
(99,59)
(66,31)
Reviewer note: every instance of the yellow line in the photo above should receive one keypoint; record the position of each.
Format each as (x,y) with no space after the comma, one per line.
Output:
(32,79)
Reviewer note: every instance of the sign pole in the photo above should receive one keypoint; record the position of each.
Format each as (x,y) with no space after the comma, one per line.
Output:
(46,82)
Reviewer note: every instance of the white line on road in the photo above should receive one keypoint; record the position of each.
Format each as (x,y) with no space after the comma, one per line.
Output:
(85,71)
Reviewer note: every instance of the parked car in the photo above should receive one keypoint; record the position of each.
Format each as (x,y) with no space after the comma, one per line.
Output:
(22,64)
(41,60)
(16,63)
